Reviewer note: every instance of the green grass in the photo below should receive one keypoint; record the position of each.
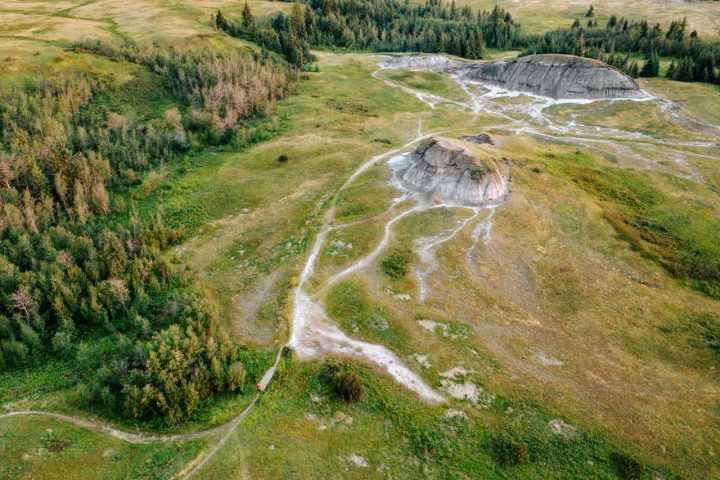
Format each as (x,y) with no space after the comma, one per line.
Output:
(432,82)
(680,236)
(35,382)
(399,437)
(351,306)
(41,448)
(366,197)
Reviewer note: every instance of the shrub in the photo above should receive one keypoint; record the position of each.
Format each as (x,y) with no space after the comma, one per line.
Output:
(287,352)
(627,467)
(343,382)
(283,158)
(236,376)
(395,265)
(53,443)
(509,452)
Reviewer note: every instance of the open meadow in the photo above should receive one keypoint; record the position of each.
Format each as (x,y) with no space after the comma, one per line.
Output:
(560,325)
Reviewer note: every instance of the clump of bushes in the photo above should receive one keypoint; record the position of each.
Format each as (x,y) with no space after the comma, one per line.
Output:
(53,443)
(283,158)
(396,264)
(509,452)
(287,352)
(627,467)
(343,382)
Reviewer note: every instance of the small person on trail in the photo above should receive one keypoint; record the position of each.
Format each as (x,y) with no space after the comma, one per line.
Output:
(259,388)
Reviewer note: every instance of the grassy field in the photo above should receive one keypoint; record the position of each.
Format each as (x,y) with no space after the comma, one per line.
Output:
(52,449)
(540,16)
(569,333)
(565,314)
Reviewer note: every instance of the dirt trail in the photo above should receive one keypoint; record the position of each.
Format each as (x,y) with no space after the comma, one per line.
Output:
(314,334)
(144,438)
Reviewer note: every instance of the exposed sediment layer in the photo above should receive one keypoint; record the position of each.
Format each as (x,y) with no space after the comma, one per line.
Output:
(455,172)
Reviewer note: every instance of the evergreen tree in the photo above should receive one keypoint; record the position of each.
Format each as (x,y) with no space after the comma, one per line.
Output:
(248,20)
(652,65)
(671,70)
(220,22)
(684,70)
(634,70)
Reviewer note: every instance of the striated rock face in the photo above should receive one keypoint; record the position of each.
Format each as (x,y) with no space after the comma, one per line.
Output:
(558,76)
(454,172)
(555,76)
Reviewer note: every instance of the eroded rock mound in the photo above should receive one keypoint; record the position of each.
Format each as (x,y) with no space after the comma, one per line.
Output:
(550,75)
(455,172)
(558,76)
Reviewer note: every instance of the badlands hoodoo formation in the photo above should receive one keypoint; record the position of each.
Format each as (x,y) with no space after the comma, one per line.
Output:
(558,76)
(555,76)
(455,172)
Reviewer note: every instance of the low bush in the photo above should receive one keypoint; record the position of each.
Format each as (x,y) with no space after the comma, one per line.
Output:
(343,382)
(509,452)
(395,265)
(53,443)
(627,467)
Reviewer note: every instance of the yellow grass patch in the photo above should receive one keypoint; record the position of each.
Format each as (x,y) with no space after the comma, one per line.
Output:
(47,27)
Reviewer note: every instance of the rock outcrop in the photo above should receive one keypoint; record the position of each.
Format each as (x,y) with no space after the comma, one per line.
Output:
(455,172)
(555,76)
(478,139)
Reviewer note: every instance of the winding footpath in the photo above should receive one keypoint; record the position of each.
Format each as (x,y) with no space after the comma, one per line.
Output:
(225,429)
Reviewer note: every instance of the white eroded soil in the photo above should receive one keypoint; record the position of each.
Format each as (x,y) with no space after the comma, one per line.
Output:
(314,334)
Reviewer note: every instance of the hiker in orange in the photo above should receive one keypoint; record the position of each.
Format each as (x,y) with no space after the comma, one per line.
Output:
(259,388)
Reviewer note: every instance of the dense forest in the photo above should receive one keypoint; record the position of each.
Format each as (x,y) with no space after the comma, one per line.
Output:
(381,26)
(694,59)
(75,284)
(393,26)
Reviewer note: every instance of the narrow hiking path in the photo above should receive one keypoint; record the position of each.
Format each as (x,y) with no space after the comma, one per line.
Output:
(144,438)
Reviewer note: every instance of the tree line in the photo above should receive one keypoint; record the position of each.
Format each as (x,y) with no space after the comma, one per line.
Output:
(693,59)
(437,27)
(381,25)
(78,283)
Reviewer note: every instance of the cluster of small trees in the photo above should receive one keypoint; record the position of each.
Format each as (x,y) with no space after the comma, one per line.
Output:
(696,59)
(167,374)
(70,271)
(222,90)
(381,25)
(286,34)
